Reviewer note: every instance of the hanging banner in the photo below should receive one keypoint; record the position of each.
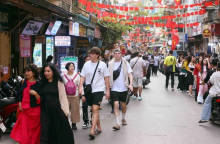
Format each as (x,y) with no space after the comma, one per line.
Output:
(40,39)
(32,28)
(25,46)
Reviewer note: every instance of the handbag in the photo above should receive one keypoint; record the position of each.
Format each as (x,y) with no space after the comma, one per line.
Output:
(116,73)
(88,87)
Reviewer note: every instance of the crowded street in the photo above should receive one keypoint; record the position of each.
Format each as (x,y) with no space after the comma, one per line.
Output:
(162,117)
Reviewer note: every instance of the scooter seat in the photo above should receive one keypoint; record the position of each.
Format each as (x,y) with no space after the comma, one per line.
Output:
(6,102)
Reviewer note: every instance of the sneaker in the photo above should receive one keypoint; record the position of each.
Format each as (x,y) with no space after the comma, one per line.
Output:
(116,127)
(112,111)
(134,97)
(85,125)
(131,94)
(124,122)
(166,88)
(203,121)
(172,89)
(181,91)
(140,98)
(187,91)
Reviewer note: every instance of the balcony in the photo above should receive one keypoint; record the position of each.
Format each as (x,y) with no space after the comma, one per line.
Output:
(61,3)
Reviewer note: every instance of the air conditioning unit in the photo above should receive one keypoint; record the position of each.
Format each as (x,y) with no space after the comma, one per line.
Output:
(215,15)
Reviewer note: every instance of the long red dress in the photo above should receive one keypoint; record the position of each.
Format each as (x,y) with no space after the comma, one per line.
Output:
(196,72)
(27,127)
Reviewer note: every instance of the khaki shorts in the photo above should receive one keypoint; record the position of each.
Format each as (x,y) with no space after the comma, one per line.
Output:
(137,82)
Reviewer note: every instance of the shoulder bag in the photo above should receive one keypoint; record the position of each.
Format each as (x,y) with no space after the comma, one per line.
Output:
(116,73)
(88,87)
(135,63)
(169,69)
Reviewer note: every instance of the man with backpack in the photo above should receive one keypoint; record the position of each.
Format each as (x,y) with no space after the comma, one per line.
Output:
(96,75)
(169,69)
(120,71)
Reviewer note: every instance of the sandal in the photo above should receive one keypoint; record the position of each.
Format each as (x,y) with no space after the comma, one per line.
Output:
(97,132)
(92,136)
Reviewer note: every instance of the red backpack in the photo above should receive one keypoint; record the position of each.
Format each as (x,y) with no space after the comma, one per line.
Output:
(70,86)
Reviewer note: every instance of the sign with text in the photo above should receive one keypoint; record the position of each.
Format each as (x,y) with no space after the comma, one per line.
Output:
(25,46)
(90,32)
(62,41)
(40,39)
(97,31)
(32,28)
(4,18)
(82,43)
(206,33)
(82,30)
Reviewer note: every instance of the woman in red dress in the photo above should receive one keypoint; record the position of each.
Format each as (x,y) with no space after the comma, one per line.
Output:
(27,127)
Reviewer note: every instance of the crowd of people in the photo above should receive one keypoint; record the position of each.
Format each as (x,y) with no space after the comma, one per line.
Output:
(200,72)
(47,99)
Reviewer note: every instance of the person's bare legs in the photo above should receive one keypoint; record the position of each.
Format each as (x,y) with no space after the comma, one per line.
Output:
(116,109)
(124,108)
(135,89)
(95,119)
(190,90)
(140,90)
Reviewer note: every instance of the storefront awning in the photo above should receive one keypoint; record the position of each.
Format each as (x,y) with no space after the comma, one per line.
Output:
(47,5)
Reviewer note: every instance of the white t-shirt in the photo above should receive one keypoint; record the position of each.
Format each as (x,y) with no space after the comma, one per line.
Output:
(119,83)
(156,61)
(127,57)
(88,70)
(138,68)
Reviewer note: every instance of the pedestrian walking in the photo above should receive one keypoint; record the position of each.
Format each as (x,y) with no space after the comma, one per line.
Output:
(85,106)
(156,63)
(182,74)
(96,75)
(147,67)
(120,71)
(106,59)
(71,81)
(55,127)
(152,61)
(27,127)
(202,70)
(138,66)
(169,69)
(128,56)
(190,72)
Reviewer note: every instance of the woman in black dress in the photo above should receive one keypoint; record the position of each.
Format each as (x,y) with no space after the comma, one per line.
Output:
(190,72)
(55,127)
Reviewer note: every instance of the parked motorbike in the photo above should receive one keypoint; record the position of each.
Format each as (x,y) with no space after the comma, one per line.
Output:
(215,110)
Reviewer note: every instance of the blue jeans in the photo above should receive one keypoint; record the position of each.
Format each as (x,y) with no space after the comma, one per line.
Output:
(206,111)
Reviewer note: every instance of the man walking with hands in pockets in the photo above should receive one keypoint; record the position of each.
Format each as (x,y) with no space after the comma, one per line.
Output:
(96,74)
(119,70)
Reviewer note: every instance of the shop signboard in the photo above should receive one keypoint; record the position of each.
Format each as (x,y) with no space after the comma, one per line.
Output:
(197,30)
(49,46)
(97,31)
(90,32)
(181,37)
(76,25)
(65,60)
(62,41)
(32,28)
(82,30)
(25,46)
(5,19)
(206,33)
(53,28)
(82,43)
(40,39)
(37,54)
(71,28)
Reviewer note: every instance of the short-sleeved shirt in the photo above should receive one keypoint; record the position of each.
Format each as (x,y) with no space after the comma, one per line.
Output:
(119,83)
(102,71)
(156,61)
(138,68)
(170,60)
(147,63)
